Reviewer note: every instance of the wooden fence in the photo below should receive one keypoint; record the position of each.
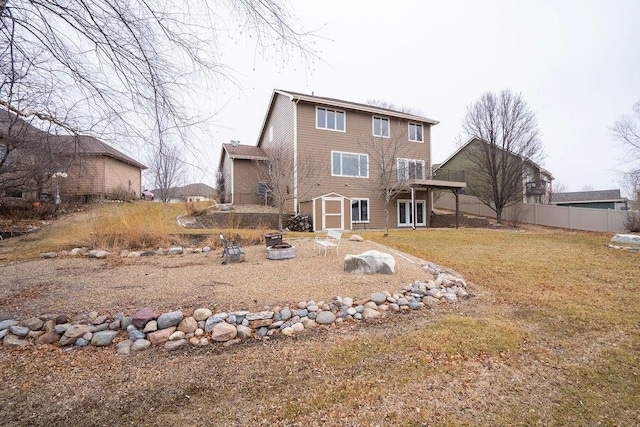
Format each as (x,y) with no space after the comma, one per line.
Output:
(604,220)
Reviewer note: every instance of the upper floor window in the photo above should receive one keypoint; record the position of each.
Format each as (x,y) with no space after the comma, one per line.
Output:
(349,164)
(270,133)
(329,119)
(360,210)
(415,132)
(410,169)
(380,127)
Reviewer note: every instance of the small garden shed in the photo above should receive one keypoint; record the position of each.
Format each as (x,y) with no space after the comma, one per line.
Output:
(331,211)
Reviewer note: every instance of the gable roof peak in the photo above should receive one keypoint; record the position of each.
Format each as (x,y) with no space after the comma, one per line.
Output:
(340,103)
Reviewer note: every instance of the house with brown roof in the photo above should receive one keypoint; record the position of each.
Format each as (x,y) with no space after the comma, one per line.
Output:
(86,167)
(337,139)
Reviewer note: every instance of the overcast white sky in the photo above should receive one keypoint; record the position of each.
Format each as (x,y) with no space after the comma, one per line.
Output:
(577,64)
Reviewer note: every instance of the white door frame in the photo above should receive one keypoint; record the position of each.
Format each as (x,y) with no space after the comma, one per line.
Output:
(409,212)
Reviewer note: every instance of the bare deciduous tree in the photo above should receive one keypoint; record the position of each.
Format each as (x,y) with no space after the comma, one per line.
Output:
(631,186)
(128,67)
(391,106)
(508,136)
(627,131)
(284,179)
(385,170)
(166,167)
(556,187)
(29,156)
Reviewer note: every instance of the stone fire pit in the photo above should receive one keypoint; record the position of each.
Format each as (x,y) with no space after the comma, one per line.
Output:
(281,251)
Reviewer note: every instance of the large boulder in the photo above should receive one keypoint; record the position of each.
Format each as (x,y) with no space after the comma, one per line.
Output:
(626,238)
(370,262)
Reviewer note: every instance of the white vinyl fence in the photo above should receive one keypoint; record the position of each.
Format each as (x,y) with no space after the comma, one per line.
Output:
(604,220)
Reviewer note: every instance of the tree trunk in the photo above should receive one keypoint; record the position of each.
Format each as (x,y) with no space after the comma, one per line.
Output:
(386,219)
(499,215)
(280,213)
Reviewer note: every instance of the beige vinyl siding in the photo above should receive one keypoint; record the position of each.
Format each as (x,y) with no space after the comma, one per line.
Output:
(244,183)
(100,176)
(85,177)
(282,119)
(317,145)
(121,176)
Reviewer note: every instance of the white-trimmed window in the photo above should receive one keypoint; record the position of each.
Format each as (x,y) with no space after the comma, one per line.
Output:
(271,133)
(415,132)
(410,169)
(360,210)
(327,118)
(381,127)
(349,164)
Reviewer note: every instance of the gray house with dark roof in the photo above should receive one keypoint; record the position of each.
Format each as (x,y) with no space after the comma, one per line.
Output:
(603,199)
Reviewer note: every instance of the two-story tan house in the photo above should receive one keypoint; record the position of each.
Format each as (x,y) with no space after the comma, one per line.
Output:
(354,150)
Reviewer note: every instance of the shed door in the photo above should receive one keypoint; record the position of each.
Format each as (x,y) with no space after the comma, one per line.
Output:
(333,213)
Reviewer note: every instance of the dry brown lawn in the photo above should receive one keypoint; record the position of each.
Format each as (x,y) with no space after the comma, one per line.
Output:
(551,337)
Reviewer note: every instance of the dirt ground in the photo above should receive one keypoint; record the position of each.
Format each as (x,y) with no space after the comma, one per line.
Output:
(76,286)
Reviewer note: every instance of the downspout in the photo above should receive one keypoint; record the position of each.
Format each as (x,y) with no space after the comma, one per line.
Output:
(233,189)
(104,183)
(295,157)
(429,191)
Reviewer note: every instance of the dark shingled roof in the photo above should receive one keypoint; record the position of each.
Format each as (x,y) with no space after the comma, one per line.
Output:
(90,146)
(358,106)
(588,196)
(16,127)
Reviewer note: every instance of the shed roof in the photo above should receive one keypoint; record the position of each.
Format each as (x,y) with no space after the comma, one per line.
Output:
(250,152)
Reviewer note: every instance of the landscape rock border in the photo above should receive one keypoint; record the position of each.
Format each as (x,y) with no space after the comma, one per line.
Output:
(202,327)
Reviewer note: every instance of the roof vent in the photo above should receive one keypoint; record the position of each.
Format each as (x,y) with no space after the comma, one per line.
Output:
(234,142)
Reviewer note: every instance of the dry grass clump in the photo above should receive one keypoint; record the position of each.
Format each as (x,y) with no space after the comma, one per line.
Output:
(135,225)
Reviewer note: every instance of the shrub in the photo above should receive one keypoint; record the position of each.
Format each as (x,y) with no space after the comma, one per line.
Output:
(120,193)
(632,223)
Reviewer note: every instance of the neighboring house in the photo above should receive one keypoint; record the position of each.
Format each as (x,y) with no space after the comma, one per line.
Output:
(603,199)
(97,170)
(329,133)
(86,167)
(536,181)
(240,175)
(190,193)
